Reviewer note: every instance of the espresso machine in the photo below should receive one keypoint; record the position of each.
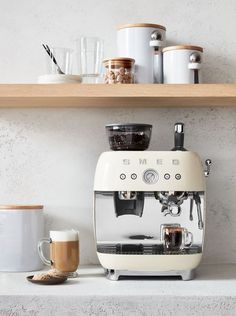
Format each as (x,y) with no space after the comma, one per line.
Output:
(149,206)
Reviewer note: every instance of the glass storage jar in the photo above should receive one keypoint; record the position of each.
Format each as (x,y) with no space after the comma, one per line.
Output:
(119,70)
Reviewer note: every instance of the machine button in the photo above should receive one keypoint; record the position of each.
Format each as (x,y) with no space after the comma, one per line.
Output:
(177,176)
(150,176)
(133,176)
(122,176)
(167,176)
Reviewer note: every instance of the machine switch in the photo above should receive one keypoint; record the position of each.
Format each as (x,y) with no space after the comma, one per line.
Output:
(122,176)
(167,176)
(150,176)
(177,176)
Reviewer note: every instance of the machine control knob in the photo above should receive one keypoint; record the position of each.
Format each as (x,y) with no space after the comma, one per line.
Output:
(133,176)
(167,176)
(150,176)
(122,176)
(178,176)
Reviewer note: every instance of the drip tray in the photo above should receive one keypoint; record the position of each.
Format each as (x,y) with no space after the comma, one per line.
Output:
(141,249)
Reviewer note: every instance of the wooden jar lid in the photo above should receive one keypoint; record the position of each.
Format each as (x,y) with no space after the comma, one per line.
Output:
(119,61)
(190,47)
(125,26)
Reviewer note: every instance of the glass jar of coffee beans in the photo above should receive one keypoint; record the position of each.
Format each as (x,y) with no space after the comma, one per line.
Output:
(119,70)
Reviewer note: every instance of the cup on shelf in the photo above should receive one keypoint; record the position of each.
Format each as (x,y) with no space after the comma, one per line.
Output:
(64,60)
(90,55)
(63,73)
(64,251)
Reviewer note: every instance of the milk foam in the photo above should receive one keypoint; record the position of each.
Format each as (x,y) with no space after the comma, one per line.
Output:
(64,235)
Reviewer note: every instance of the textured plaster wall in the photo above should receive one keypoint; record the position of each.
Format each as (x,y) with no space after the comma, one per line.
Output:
(49,155)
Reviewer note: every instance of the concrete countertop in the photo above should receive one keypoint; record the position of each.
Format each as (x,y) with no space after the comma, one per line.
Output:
(212,292)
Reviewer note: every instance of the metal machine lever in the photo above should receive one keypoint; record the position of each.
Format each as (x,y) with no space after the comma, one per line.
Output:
(197,200)
(208,167)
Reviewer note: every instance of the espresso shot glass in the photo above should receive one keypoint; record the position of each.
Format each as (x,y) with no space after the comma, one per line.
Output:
(175,238)
(64,251)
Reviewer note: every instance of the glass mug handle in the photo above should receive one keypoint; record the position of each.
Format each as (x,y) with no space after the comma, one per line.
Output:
(40,250)
(188,236)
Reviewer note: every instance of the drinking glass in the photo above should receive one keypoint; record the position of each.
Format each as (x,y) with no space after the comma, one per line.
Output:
(90,54)
(63,57)
(175,237)
(64,251)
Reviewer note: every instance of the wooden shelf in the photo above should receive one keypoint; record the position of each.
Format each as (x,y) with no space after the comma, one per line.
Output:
(137,95)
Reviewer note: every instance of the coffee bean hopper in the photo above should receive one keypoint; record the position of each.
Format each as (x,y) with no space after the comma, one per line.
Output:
(149,206)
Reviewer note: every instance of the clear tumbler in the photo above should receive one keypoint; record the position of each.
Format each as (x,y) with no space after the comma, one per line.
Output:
(90,55)
(63,57)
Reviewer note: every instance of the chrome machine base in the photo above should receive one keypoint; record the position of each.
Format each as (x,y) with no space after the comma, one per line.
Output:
(115,274)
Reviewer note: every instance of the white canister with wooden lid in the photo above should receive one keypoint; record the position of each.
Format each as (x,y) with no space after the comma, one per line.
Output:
(21,227)
(143,42)
(182,64)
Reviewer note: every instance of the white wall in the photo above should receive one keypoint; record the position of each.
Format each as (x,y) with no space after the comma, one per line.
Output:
(49,155)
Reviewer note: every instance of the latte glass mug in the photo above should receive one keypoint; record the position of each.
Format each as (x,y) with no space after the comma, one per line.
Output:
(64,251)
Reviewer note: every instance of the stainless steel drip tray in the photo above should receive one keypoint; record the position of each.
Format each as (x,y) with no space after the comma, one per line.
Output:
(144,249)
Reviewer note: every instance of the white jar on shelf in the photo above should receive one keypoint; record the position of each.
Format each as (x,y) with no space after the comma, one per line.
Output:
(182,64)
(143,42)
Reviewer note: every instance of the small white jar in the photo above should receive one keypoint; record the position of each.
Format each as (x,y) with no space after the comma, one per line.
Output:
(21,227)
(182,64)
(143,42)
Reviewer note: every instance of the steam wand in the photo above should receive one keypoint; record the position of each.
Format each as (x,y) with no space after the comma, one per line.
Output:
(197,200)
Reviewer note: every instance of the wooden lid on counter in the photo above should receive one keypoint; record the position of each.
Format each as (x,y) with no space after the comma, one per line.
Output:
(190,47)
(158,26)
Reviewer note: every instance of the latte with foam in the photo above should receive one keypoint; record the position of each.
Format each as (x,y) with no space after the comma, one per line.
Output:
(64,250)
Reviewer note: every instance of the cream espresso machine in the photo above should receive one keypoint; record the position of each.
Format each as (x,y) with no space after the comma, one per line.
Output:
(149,206)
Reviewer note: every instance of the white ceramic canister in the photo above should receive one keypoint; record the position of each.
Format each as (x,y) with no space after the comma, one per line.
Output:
(21,228)
(143,42)
(182,64)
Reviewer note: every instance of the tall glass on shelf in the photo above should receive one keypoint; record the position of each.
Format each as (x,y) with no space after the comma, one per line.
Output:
(90,55)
